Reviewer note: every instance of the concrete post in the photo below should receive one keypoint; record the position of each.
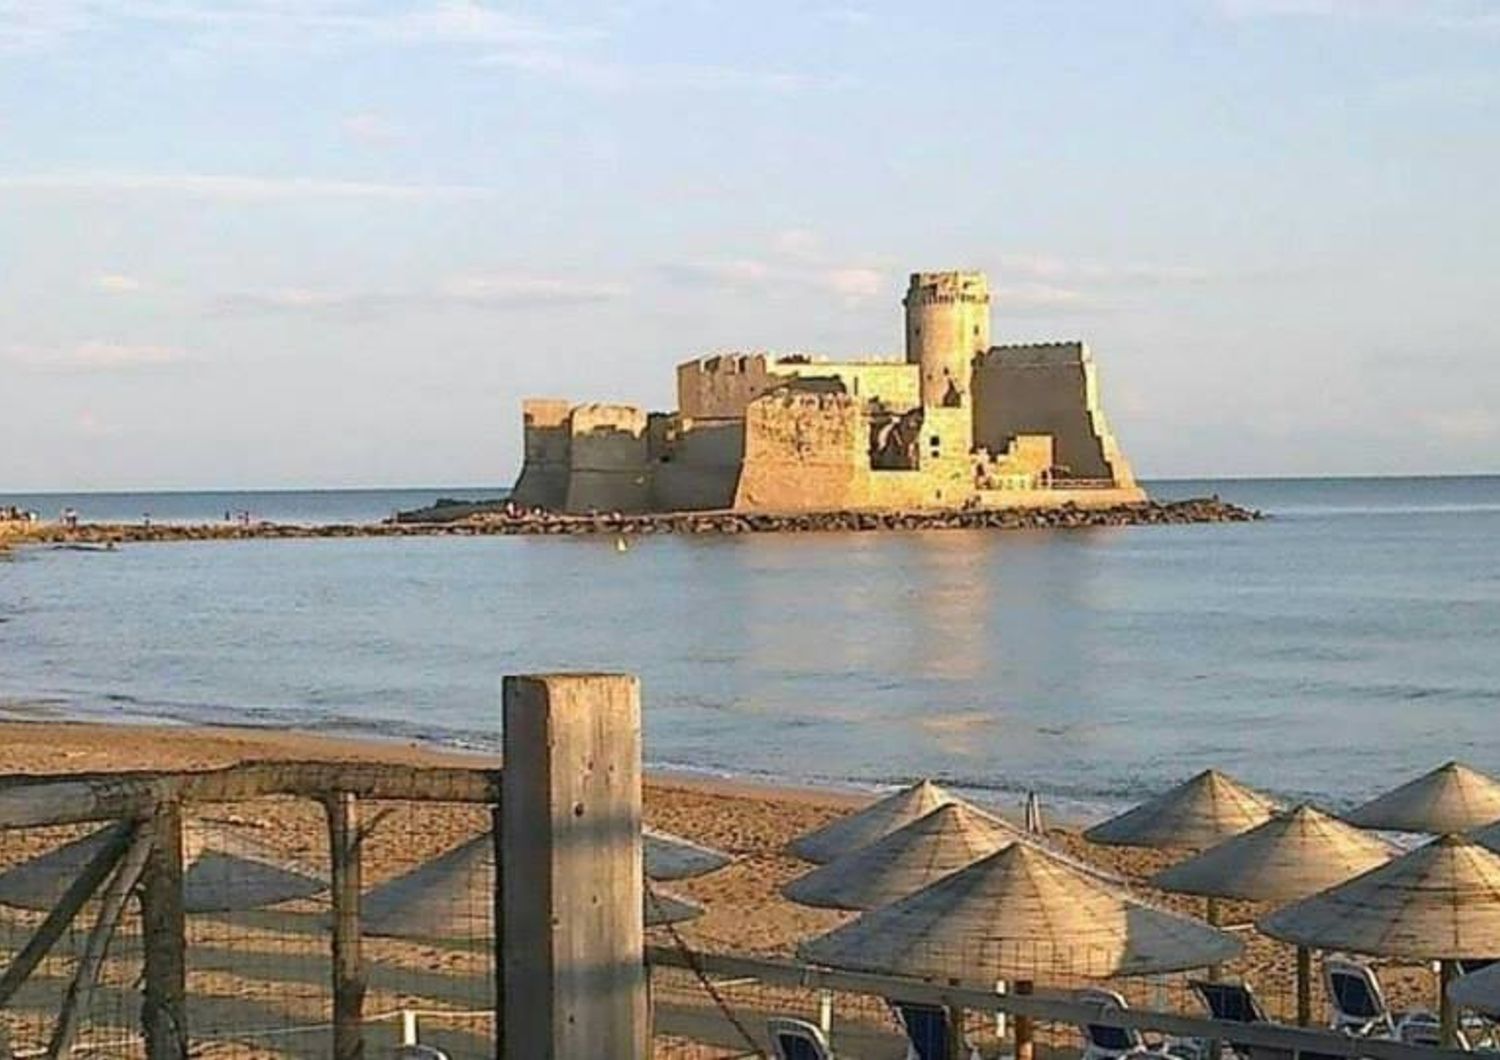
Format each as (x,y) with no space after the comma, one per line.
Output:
(573,965)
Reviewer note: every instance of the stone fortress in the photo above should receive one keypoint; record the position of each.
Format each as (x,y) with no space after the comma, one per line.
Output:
(957,424)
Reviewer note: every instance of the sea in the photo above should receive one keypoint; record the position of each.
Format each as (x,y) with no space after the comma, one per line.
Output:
(1348,641)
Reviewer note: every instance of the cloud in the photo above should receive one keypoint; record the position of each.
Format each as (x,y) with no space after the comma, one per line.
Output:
(275,24)
(1049,268)
(794,259)
(496,292)
(1456,15)
(372,129)
(578,68)
(117,283)
(28,24)
(856,283)
(731,272)
(1464,425)
(852,283)
(1037,296)
(227,187)
(95,355)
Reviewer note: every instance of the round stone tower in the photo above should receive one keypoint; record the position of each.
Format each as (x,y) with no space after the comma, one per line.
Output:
(947,324)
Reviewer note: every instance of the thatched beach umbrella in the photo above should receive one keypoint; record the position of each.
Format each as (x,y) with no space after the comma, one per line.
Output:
(879,819)
(1452,798)
(1198,813)
(1439,902)
(225,869)
(1488,836)
(904,861)
(1020,914)
(1291,856)
(453,895)
(1479,991)
(671,857)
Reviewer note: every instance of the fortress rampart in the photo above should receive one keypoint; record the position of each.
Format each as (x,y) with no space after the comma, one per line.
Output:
(957,424)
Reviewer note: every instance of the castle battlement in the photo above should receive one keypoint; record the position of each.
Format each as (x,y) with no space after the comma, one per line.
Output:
(1037,353)
(956,423)
(939,287)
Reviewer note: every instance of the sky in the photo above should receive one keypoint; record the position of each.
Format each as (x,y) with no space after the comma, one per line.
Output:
(326,243)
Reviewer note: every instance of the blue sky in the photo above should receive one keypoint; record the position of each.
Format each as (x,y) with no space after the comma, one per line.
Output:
(335,242)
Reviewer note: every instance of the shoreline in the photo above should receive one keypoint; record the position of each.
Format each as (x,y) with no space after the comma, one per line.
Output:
(1006,802)
(523,524)
(62,745)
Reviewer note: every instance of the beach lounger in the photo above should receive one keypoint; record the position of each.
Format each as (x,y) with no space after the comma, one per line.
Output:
(1360,1009)
(1231,1002)
(926,1030)
(1103,1042)
(797,1040)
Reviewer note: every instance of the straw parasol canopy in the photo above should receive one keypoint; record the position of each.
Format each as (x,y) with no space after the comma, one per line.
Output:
(1439,902)
(1479,991)
(452,897)
(671,857)
(1488,836)
(905,861)
(1020,914)
(225,869)
(1291,856)
(1452,798)
(1198,813)
(875,821)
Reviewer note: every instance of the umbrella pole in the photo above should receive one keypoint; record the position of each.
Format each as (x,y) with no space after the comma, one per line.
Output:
(1211,914)
(1304,986)
(1025,1050)
(1447,1014)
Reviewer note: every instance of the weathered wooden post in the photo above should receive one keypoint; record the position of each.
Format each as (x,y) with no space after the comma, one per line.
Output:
(497,829)
(164,932)
(346,882)
(574,979)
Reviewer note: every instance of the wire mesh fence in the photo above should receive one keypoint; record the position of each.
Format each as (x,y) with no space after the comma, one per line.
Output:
(257,935)
(259,971)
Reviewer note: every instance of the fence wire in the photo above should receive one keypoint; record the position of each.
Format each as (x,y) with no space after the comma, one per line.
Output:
(259,965)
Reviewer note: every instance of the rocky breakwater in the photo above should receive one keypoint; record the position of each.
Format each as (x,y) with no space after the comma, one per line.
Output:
(104,536)
(1068,516)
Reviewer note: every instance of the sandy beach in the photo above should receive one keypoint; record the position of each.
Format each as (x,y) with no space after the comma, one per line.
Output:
(745,912)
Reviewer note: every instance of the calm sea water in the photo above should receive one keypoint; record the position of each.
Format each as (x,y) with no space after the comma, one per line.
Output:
(1346,643)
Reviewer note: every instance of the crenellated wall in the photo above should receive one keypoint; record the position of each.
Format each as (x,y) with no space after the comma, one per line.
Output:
(547,443)
(1048,388)
(803,452)
(722,387)
(610,469)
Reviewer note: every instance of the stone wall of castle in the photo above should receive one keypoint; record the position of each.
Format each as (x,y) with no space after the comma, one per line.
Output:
(803,452)
(547,443)
(610,469)
(700,468)
(722,387)
(1048,388)
(894,384)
